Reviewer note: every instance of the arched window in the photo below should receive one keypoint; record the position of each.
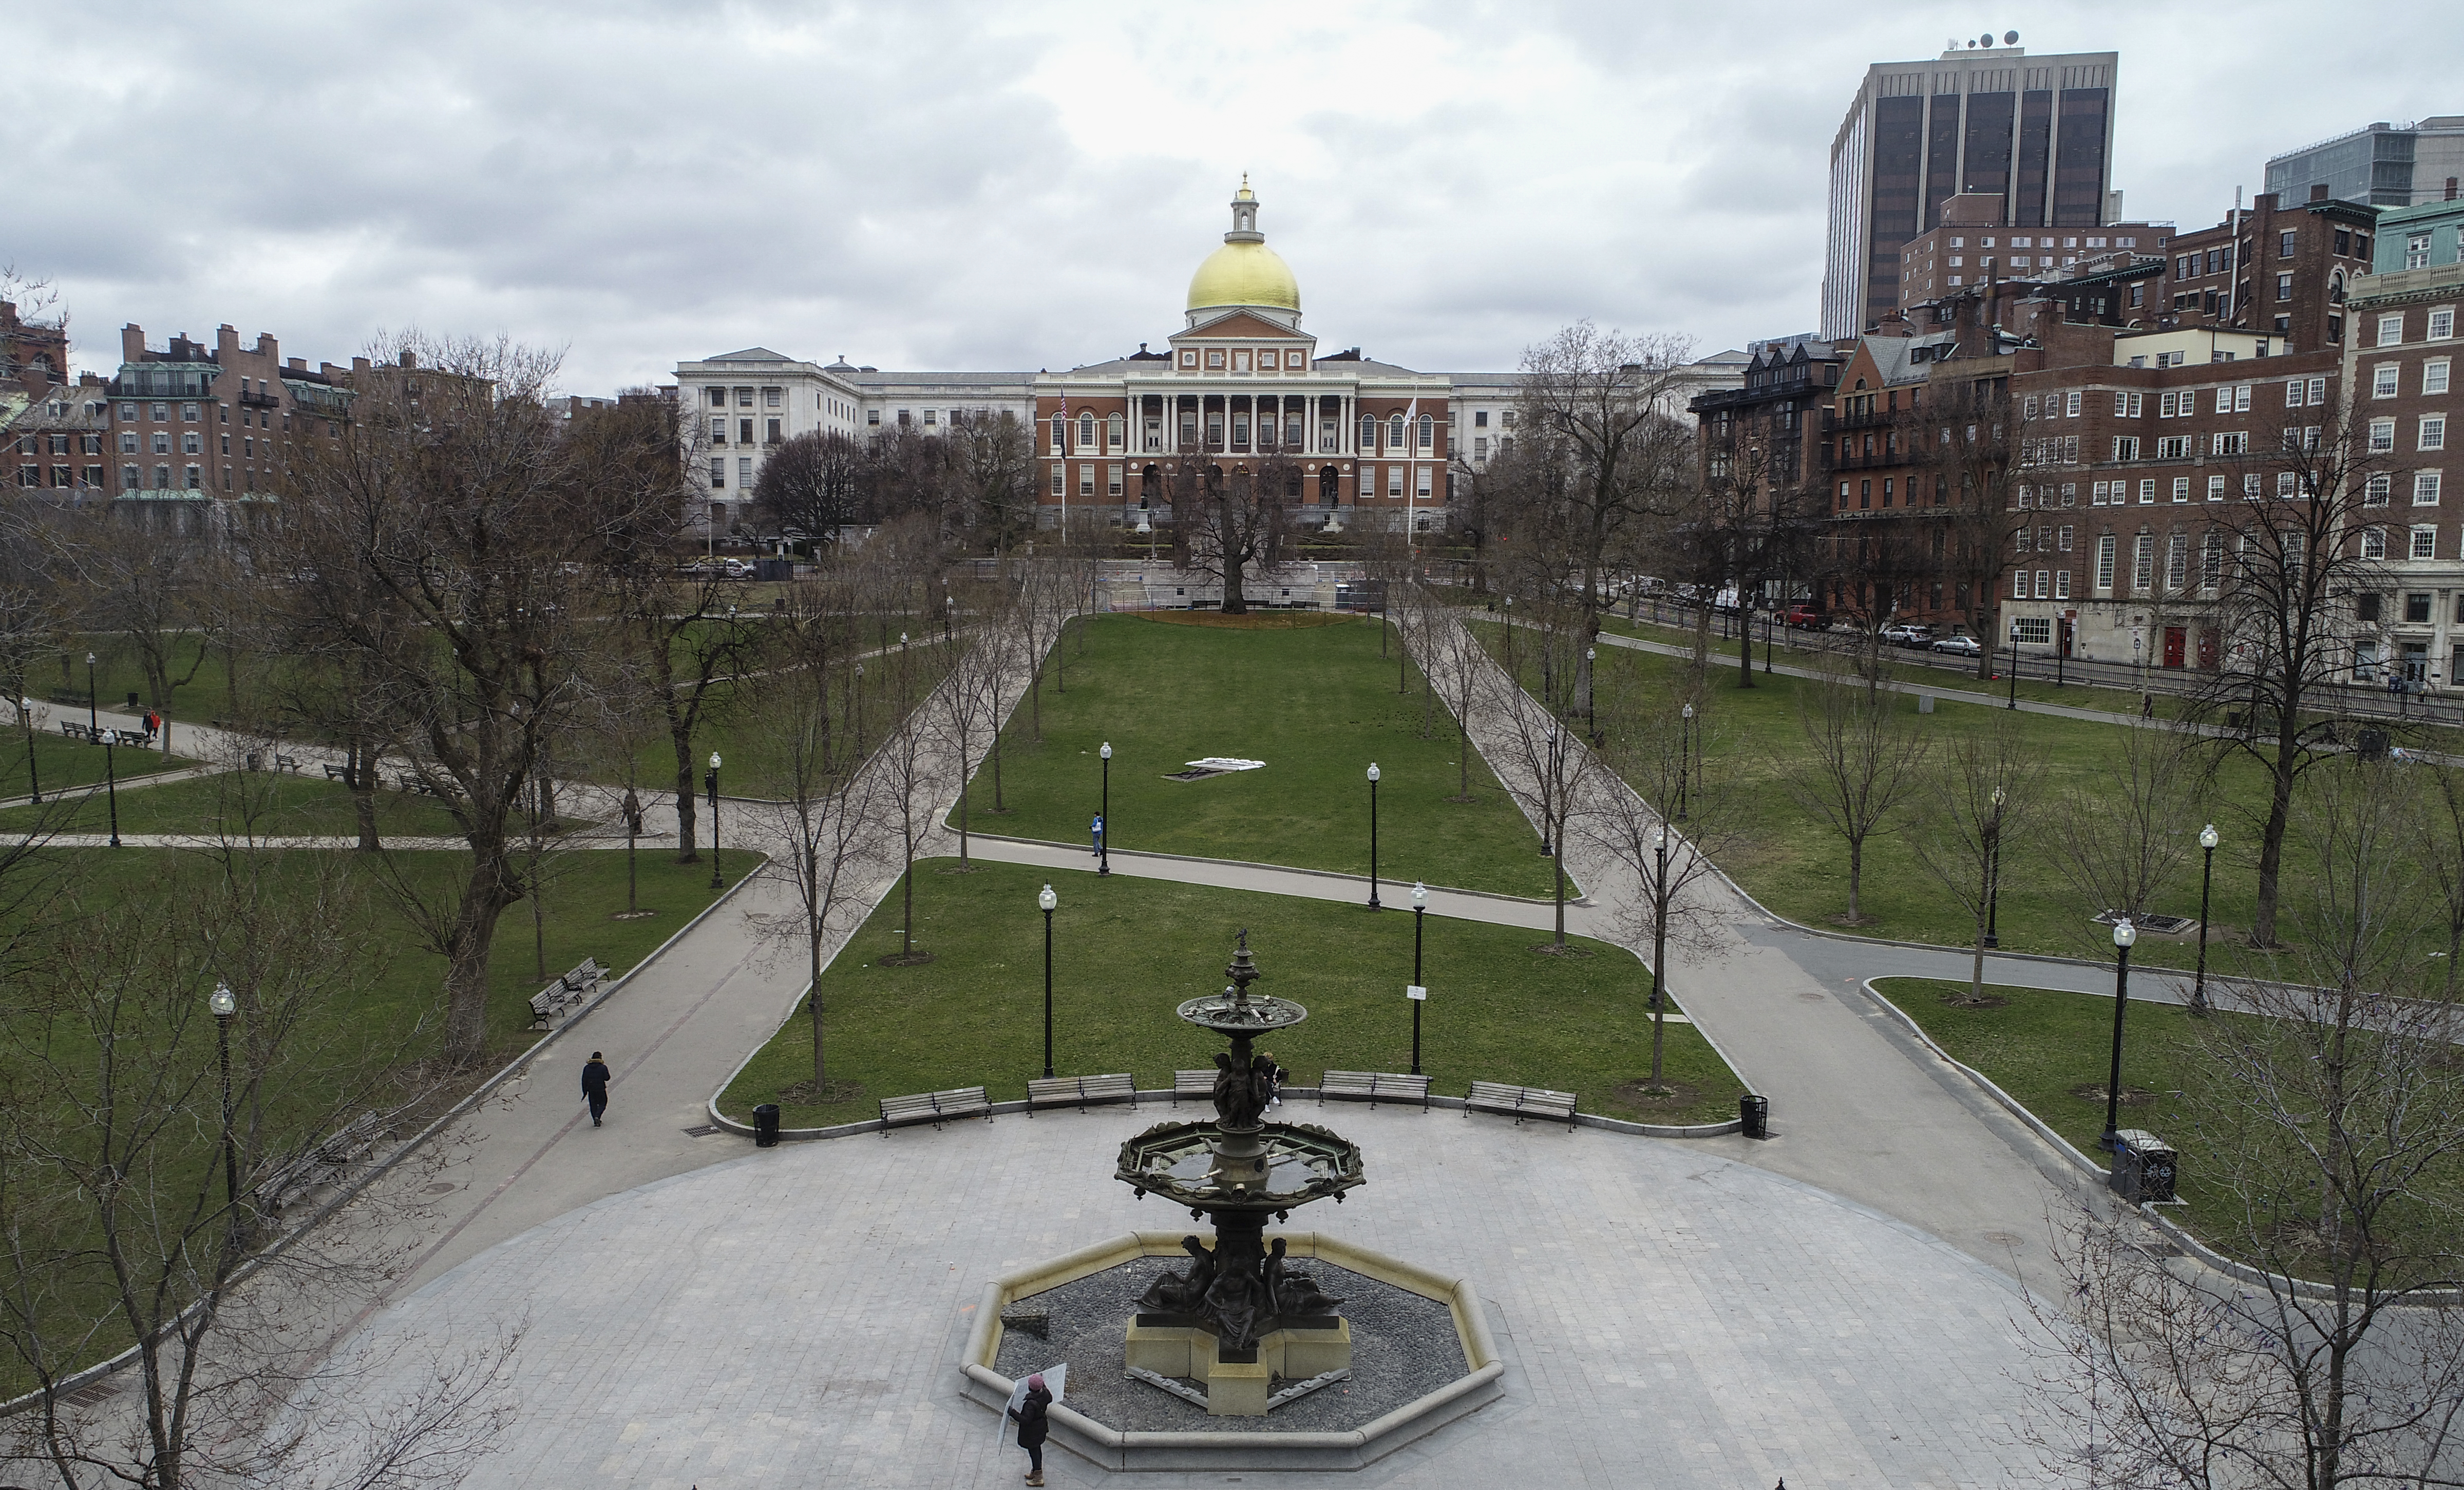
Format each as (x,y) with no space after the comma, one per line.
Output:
(1395,433)
(1086,432)
(1115,430)
(1428,431)
(1367,433)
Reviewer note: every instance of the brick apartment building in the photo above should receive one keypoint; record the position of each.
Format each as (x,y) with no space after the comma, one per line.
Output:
(51,424)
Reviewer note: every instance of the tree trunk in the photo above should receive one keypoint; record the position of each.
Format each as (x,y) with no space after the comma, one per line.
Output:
(813,951)
(1463,745)
(1745,650)
(906,907)
(967,789)
(1856,876)
(484,899)
(2271,842)
(1557,868)
(1659,978)
(996,752)
(686,851)
(360,774)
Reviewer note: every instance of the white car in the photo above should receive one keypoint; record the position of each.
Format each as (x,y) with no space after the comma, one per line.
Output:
(1960,645)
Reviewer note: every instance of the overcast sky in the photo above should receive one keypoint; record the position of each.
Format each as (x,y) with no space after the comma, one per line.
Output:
(1023,185)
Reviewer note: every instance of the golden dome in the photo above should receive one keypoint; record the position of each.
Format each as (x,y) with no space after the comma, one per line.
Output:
(1244,273)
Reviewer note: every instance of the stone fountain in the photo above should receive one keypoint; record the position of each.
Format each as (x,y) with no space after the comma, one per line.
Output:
(1238,1317)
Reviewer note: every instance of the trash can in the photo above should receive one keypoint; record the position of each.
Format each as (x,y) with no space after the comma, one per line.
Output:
(2143,1167)
(1755,1113)
(2374,744)
(766,1125)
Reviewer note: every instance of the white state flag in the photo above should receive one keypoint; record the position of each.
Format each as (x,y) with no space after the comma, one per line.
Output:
(1054,1378)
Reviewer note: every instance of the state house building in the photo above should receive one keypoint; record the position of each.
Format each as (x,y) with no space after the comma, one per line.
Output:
(1240,384)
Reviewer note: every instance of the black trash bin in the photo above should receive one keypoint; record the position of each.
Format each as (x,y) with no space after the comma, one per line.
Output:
(2374,744)
(2143,1167)
(1755,1113)
(766,1125)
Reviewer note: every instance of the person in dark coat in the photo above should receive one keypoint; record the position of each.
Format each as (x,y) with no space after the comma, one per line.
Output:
(1032,1426)
(594,1087)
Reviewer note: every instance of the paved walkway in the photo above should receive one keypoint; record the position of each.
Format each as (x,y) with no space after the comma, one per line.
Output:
(1667,1317)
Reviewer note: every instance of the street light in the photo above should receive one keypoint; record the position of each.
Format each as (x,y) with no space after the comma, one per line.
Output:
(1993,869)
(859,711)
(1658,909)
(224,1005)
(1591,683)
(1104,839)
(1547,790)
(2208,841)
(1047,902)
(949,616)
(1373,835)
(711,781)
(94,730)
(2014,667)
(1419,992)
(2123,935)
(1685,756)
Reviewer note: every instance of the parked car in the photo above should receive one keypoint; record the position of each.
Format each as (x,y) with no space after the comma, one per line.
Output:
(1960,645)
(1808,618)
(719,568)
(1902,634)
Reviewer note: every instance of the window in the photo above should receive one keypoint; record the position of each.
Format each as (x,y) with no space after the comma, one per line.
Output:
(717,472)
(2391,329)
(2416,608)
(1480,419)
(2222,443)
(1061,481)
(2062,539)
(1116,431)
(744,430)
(2224,401)
(2318,392)
(1267,361)
(1394,481)
(2382,434)
(190,442)
(2284,287)
(1112,480)
(2425,542)
(1428,432)
(1480,447)
(2142,562)
(1214,358)
(2434,375)
(2071,406)
(2104,546)
(1424,482)
(2425,488)
(1086,431)
(770,398)
(1087,481)
(2383,380)
(2095,494)
(718,398)
(196,477)
(2070,494)
(2062,584)
(2028,409)
(2287,486)
(2374,490)
(2293,394)
(2416,250)
(2373,546)
(1240,430)
(2126,447)
(161,441)
(932,417)
(2433,432)
(162,413)
(2177,560)
(2181,489)
(771,431)
(2018,584)
(744,471)
(2249,487)
(1188,358)
(1395,433)
(188,413)
(2147,491)
(128,442)
(2211,560)
(2442,324)
(2038,631)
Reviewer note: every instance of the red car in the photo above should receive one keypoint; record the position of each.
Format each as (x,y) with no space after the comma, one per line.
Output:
(1807,618)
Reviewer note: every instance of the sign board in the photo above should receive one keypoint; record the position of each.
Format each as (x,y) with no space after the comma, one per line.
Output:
(1415,990)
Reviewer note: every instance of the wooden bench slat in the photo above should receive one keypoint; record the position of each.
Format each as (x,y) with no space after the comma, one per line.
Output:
(1516,1101)
(1373,1087)
(1192,1084)
(1058,1092)
(935,1106)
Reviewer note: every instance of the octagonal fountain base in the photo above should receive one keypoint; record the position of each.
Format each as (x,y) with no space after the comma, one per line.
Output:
(1424,1358)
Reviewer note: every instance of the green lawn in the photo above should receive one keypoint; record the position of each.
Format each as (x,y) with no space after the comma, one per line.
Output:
(1317,703)
(735,722)
(61,763)
(244,803)
(1791,863)
(1127,951)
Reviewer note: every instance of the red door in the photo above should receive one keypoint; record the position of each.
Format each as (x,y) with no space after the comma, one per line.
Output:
(2174,640)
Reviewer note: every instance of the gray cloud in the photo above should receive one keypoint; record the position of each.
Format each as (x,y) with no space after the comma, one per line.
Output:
(1030,185)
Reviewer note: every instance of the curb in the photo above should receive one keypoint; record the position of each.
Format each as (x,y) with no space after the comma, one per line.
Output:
(351,1191)
(2173,1230)
(1584,900)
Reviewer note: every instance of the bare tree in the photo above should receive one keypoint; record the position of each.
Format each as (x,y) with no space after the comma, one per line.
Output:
(2329,1121)
(992,461)
(1968,438)
(965,710)
(1865,762)
(813,484)
(2122,846)
(904,765)
(2441,853)
(1227,523)
(1982,791)
(1547,769)
(140,1141)
(1458,668)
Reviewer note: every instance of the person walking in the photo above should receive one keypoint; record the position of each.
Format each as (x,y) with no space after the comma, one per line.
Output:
(1096,831)
(594,1087)
(1032,1426)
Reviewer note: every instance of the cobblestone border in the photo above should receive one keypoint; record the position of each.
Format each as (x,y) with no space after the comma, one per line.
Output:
(1109,1448)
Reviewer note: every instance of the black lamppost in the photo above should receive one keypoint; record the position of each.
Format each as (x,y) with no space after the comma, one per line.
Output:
(224,1005)
(1685,756)
(1590,684)
(1047,902)
(1103,839)
(1993,869)
(2123,935)
(93,728)
(2014,667)
(1373,835)
(1659,909)
(1419,992)
(949,616)
(859,711)
(711,781)
(1548,793)
(2208,841)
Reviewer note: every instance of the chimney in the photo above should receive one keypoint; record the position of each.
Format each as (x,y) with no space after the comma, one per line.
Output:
(359,365)
(132,343)
(269,348)
(298,364)
(2451,189)
(410,359)
(2318,192)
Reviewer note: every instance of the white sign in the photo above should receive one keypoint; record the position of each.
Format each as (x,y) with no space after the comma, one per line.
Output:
(1055,1379)
(1415,990)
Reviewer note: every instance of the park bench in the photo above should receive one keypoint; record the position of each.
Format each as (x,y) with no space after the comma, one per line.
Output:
(1520,1102)
(324,1163)
(936,1107)
(290,764)
(1192,1084)
(335,773)
(1062,1091)
(130,738)
(566,994)
(1373,1087)
(412,783)
(75,730)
